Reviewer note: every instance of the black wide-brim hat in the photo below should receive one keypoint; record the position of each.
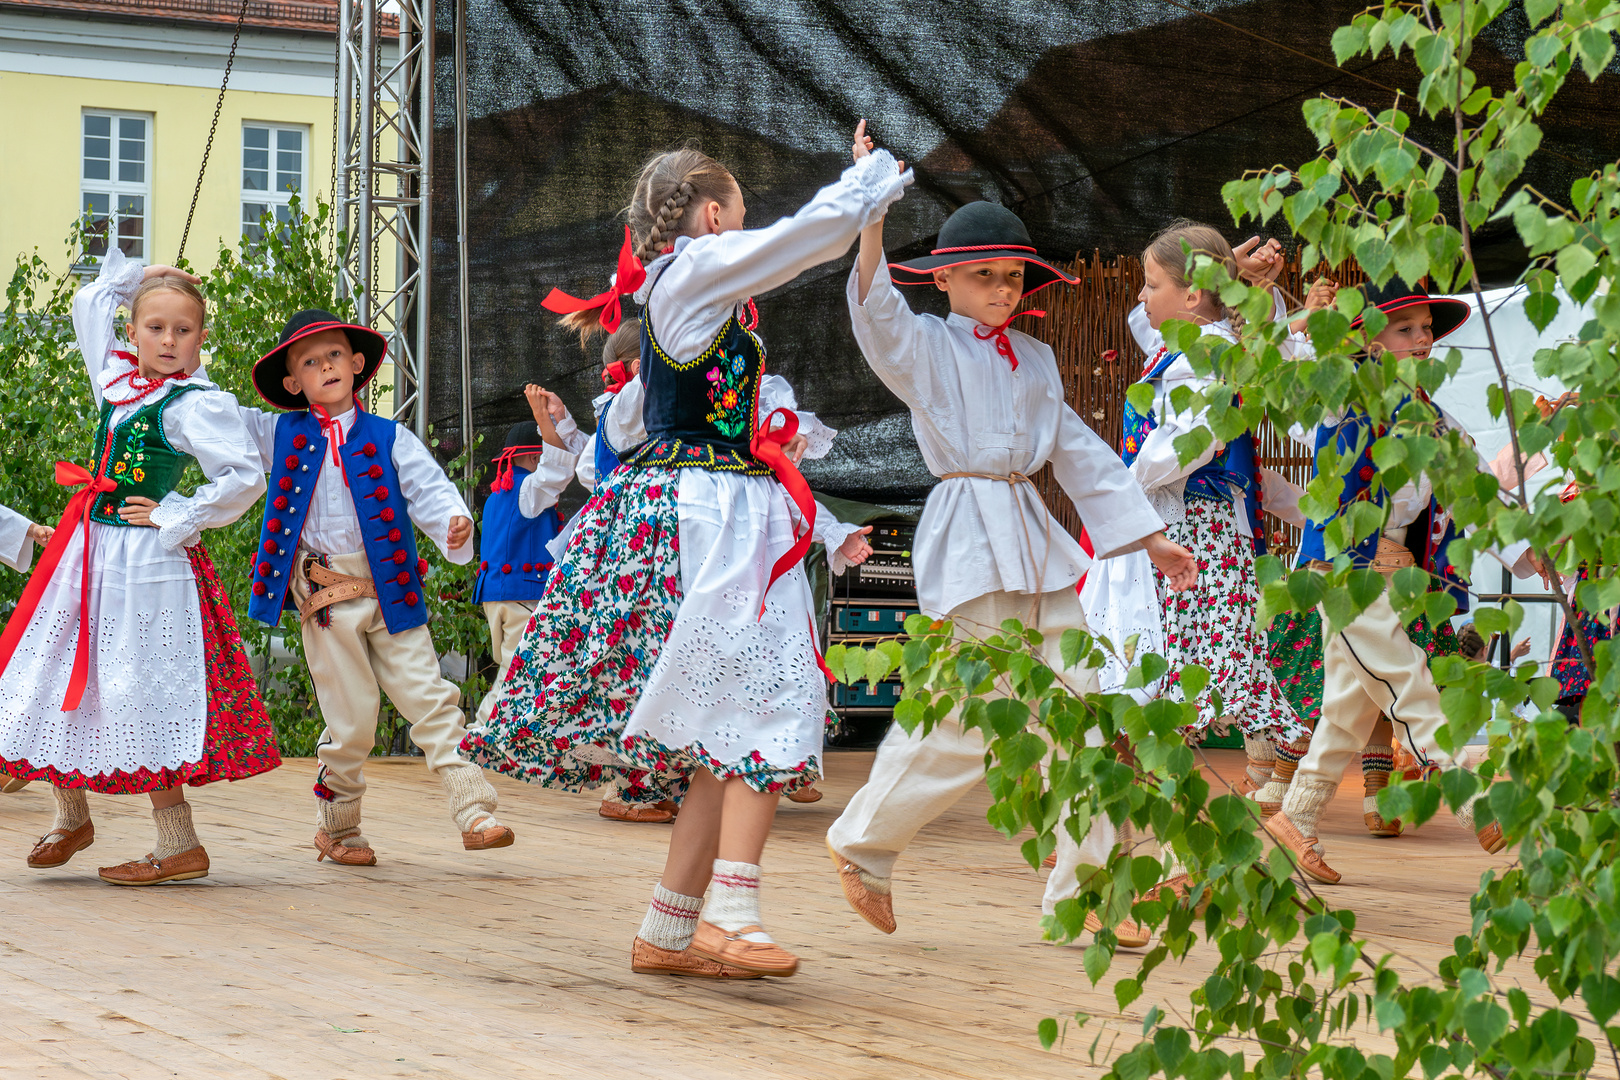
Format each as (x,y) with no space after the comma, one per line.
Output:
(979,232)
(1448,313)
(271,368)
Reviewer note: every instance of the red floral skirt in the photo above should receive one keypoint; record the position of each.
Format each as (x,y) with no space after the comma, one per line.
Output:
(239,741)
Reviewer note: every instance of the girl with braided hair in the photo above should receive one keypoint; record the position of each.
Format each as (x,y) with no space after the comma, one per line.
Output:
(677,634)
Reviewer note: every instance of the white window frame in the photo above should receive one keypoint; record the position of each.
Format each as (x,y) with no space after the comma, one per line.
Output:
(113,187)
(276,198)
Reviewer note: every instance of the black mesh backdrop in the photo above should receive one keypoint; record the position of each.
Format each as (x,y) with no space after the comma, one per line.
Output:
(1097,120)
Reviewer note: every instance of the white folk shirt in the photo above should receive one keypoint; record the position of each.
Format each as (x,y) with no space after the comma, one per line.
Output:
(333,526)
(16,549)
(972,412)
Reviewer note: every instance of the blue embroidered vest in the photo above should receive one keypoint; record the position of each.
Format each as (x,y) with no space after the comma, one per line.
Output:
(513,560)
(1429,538)
(1235,465)
(701,413)
(367,456)
(607,458)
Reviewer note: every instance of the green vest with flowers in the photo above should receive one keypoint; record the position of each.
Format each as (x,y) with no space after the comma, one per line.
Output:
(137,456)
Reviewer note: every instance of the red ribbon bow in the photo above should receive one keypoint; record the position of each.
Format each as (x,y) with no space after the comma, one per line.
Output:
(77,514)
(768,446)
(1003,346)
(615,376)
(629,278)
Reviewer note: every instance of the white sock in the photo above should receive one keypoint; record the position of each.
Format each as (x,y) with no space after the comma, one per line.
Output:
(72,811)
(671,919)
(174,829)
(734,898)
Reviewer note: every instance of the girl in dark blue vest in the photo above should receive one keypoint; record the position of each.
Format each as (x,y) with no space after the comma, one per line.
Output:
(1373,667)
(677,630)
(348,490)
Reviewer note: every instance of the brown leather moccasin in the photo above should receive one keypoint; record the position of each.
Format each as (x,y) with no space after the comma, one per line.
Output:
(875,907)
(1049,862)
(1267,809)
(11,784)
(490,836)
(1131,935)
(56,852)
(1377,826)
(637,813)
(648,959)
(1491,838)
(1302,847)
(154,871)
(805,795)
(1179,886)
(731,948)
(340,854)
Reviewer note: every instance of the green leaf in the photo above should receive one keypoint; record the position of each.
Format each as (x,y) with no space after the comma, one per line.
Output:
(1348,42)
(1007,716)
(1047,1030)
(1574,262)
(1602,995)
(1140,395)
(1096,960)
(1595,48)
(877,667)
(1541,308)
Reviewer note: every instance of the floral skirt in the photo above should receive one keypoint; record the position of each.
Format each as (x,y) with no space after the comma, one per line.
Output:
(563,717)
(1567,666)
(238,741)
(1295,648)
(1212,625)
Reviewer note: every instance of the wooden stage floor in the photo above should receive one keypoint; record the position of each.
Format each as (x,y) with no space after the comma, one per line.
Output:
(444,963)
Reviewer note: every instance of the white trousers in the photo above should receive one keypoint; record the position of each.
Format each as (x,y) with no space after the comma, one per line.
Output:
(351,661)
(915,778)
(507,619)
(1370,668)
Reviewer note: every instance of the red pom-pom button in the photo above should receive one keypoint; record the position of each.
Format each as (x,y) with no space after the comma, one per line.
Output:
(387,513)
(375,472)
(411,599)
(527,567)
(506,568)
(292,461)
(370,449)
(421,568)
(399,558)
(484,565)
(394,535)
(300,441)
(270,546)
(274,524)
(402,578)
(259,589)
(264,569)
(285,483)
(380,493)
(280,503)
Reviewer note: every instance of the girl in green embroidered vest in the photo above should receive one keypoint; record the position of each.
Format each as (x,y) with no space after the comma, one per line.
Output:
(124,671)
(676,631)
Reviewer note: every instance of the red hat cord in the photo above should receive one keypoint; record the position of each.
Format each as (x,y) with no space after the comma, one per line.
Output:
(629,278)
(503,464)
(999,333)
(332,431)
(144,388)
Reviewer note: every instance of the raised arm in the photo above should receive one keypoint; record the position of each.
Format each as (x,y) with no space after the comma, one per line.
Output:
(95,312)
(542,488)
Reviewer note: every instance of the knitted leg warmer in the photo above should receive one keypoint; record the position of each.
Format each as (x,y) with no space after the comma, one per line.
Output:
(1377,762)
(472,798)
(1465,813)
(1282,771)
(734,898)
(174,829)
(1262,754)
(72,811)
(671,919)
(1305,802)
(341,821)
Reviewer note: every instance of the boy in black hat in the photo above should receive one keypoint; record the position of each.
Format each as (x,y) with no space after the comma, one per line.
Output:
(988,409)
(338,546)
(1372,666)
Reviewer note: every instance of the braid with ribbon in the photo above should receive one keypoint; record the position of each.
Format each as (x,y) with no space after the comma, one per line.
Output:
(668,216)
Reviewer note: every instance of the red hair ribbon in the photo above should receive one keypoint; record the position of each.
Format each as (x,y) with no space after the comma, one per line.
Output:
(999,333)
(615,375)
(625,283)
(77,514)
(768,447)
(504,465)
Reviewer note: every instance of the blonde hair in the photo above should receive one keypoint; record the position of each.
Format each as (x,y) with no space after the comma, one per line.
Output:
(169,284)
(623,344)
(1165,250)
(668,184)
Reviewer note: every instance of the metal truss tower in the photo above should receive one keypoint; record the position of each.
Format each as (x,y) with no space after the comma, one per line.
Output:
(384,169)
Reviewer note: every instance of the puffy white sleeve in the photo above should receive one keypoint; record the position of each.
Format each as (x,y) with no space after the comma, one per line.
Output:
(724,269)
(585,465)
(95,312)
(625,427)
(208,425)
(542,488)
(430,498)
(261,433)
(1148,339)
(1157,463)
(1279,497)
(16,549)
(573,439)
(831,534)
(775,393)
(891,338)
(1116,513)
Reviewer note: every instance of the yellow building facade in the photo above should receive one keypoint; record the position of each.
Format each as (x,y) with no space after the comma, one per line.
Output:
(105,109)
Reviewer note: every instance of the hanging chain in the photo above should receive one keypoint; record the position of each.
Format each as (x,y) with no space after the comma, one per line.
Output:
(331,190)
(209,146)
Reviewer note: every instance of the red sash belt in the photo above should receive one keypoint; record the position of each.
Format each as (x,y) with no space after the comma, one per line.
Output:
(767,446)
(76,515)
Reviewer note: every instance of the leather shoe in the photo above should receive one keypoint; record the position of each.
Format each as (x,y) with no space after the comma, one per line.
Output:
(154,871)
(875,907)
(1491,838)
(805,795)
(1302,847)
(648,959)
(1377,826)
(56,852)
(11,784)
(1267,809)
(1131,935)
(341,854)
(1180,887)
(731,948)
(639,813)
(492,835)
